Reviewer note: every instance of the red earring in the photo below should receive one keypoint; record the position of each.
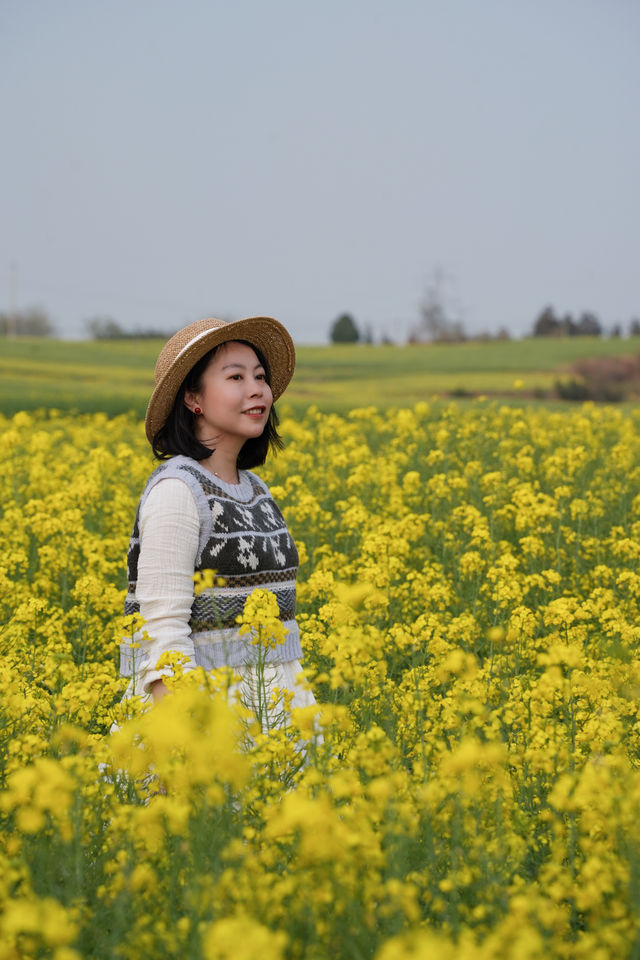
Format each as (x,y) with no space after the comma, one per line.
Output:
(197,411)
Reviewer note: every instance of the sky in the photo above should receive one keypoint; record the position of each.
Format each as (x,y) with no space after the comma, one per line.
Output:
(164,161)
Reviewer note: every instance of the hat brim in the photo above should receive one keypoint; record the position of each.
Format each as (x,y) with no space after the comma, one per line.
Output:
(265,333)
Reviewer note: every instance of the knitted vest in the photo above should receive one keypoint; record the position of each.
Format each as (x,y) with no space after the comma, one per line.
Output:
(244,538)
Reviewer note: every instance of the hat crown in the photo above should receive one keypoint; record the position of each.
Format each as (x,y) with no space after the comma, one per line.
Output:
(181,340)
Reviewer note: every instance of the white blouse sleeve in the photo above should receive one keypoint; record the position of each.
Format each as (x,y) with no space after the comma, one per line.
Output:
(169,536)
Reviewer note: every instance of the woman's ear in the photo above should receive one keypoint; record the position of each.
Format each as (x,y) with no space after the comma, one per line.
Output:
(190,400)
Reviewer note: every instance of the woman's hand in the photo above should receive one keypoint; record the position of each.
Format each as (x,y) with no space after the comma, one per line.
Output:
(158,690)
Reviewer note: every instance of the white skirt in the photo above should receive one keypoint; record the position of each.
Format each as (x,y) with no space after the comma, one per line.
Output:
(269,692)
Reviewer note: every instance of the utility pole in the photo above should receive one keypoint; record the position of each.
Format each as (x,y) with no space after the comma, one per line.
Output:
(12,314)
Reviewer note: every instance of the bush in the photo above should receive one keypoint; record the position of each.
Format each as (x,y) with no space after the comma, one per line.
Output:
(606,379)
(573,390)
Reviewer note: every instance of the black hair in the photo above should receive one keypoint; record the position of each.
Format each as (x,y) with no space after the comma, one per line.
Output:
(177,435)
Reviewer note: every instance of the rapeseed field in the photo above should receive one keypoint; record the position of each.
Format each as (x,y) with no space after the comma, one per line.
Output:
(468,786)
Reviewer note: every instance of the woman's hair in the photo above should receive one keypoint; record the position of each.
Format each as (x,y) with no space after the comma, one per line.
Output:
(177,435)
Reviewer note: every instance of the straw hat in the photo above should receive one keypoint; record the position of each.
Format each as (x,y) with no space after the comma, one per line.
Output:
(188,345)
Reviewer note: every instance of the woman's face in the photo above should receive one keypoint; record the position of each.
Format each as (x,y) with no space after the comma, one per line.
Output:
(234,396)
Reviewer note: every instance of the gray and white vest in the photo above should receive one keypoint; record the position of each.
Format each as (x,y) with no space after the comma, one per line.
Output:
(244,538)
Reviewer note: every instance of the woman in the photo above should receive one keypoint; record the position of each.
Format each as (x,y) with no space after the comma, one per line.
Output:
(210,419)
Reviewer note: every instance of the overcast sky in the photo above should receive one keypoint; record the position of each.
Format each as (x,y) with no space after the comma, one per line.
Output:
(163,161)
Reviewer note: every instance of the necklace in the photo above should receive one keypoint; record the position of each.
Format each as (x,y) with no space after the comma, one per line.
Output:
(233,483)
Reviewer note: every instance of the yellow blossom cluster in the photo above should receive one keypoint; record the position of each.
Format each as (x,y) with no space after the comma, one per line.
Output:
(468,785)
(260,620)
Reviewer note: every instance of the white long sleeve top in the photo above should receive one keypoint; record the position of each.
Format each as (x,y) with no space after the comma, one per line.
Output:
(169,531)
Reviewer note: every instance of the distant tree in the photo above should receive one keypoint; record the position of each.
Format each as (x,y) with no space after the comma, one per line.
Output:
(344,329)
(616,331)
(150,333)
(547,324)
(503,334)
(588,325)
(634,327)
(433,316)
(439,320)
(454,332)
(33,322)
(105,328)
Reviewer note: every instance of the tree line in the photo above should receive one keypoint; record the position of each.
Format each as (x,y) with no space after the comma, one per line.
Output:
(436,325)
(35,322)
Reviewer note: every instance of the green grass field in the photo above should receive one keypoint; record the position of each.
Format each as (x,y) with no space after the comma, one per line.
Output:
(117,376)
